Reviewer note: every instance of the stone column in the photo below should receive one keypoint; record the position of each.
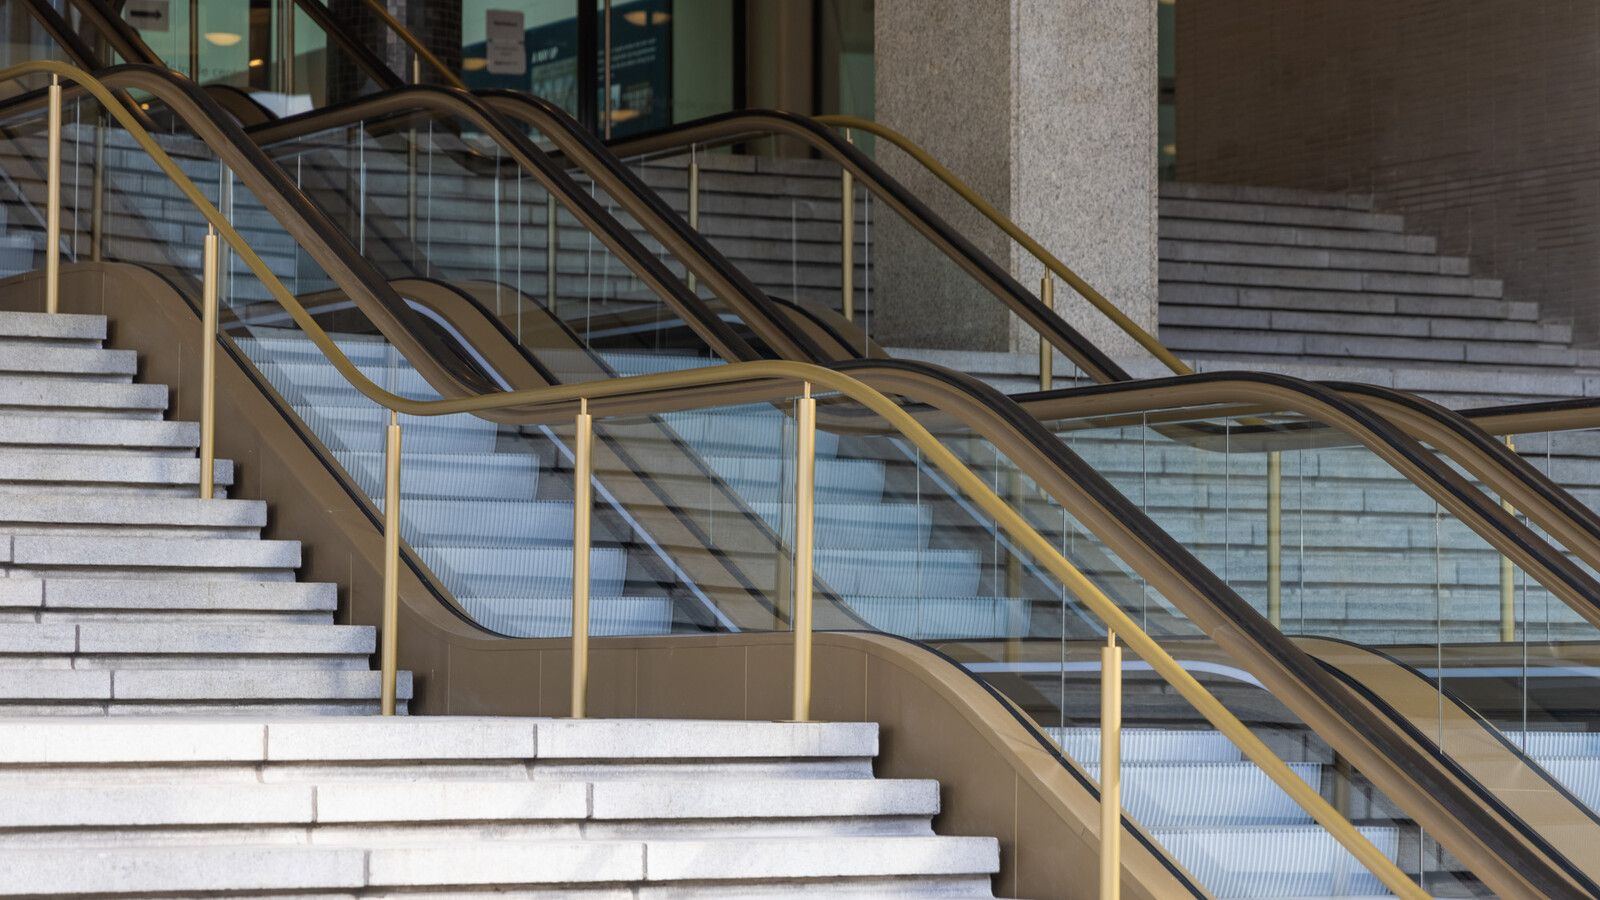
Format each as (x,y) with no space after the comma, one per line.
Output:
(1048,109)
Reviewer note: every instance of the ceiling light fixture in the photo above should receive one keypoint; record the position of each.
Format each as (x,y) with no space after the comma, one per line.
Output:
(223,38)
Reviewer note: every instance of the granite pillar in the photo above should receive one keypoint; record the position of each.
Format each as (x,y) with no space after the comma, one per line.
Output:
(1048,109)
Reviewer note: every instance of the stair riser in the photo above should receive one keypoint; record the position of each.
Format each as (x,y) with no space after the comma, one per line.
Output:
(286,708)
(90,412)
(112,661)
(432,833)
(173,616)
(150,573)
(111,488)
(151,531)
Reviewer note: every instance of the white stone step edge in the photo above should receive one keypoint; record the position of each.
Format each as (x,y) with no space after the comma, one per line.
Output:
(177,740)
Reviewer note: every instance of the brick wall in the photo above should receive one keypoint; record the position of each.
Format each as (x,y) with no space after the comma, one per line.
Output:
(1480,121)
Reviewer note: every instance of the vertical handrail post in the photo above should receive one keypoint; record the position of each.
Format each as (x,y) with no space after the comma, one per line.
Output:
(847,241)
(208,367)
(97,218)
(550,242)
(1047,296)
(1275,537)
(607,88)
(411,160)
(390,653)
(52,213)
(694,199)
(1110,769)
(582,503)
(805,468)
(194,41)
(1508,593)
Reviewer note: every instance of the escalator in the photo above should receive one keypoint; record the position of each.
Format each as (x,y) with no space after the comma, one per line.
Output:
(902,529)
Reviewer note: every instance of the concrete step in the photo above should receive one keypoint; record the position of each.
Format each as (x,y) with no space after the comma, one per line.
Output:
(1180,294)
(62,328)
(1484,335)
(1240,193)
(57,434)
(170,645)
(31,359)
(1272,214)
(1329,279)
(211,559)
(149,599)
(127,516)
(201,692)
(56,397)
(496,866)
(562,749)
(104,473)
(1253,344)
(155,814)
(1273,256)
(1294,236)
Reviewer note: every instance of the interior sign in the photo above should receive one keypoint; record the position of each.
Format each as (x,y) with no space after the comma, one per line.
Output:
(507,43)
(149,15)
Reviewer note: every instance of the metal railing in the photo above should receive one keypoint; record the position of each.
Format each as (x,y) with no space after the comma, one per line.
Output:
(781,378)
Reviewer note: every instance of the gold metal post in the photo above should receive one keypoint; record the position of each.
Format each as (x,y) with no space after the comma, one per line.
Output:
(847,241)
(391,564)
(1047,296)
(805,470)
(194,40)
(411,161)
(1110,769)
(52,213)
(208,367)
(550,241)
(1508,593)
(694,199)
(582,501)
(1275,537)
(97,218)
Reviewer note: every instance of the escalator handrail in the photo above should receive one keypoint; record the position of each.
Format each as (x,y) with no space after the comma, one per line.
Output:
(937,454)
(792,371)
(725,280)
(994,277)
(80,53)
(1085,290)
(1535,495)
(270,185)
(200,113)
(559,406)
(1575,414)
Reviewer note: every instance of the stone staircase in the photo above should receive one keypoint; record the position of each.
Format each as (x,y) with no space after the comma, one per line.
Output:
(122,595)
(1322,286)
(453,806)
(122,592)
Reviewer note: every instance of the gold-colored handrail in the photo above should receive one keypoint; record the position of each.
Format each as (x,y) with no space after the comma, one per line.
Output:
(783,372)
(1084,289)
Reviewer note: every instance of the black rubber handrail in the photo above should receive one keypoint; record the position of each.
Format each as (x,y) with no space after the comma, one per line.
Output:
(726,281)
(742,124)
